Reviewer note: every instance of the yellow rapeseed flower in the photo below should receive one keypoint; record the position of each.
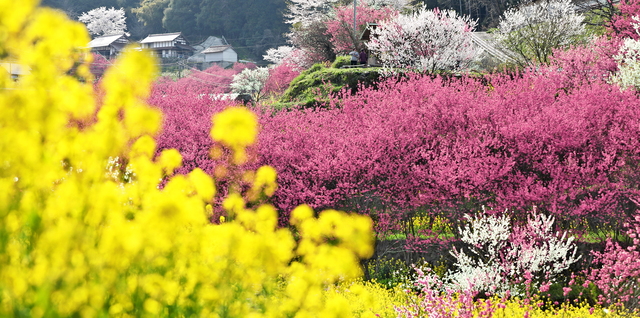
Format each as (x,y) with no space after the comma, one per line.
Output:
(77,241)
(236,128)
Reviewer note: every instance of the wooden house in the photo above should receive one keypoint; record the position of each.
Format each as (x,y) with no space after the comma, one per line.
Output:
(109,46)
(167,45)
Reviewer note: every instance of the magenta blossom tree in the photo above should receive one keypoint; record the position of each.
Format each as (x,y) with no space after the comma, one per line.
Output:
(621,24)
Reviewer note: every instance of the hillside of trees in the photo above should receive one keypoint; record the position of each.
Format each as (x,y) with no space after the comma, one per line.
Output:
(251,26)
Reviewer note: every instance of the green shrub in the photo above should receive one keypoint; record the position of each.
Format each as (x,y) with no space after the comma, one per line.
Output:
(313,87)
(341,61)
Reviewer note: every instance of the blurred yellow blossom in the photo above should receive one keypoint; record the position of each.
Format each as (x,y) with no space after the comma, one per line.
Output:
(77,241)
(236,128)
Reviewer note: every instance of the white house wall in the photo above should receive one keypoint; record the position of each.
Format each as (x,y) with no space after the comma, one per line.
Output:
(229,56)
(226,55)
(213,57)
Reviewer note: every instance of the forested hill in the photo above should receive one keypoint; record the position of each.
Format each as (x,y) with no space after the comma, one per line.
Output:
(251,26)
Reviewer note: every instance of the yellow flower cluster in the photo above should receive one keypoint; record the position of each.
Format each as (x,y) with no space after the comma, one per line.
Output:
(76,242)
(517,308)
(370,299)
(237,128)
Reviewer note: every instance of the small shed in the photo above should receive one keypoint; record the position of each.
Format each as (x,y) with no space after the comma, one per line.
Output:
(109,46)
(366,34)
(220,54)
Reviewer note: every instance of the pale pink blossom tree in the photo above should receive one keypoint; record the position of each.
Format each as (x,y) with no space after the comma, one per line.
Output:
(340,28)
(427,40)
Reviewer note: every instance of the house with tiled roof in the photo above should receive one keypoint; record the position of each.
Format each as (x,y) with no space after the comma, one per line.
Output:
(167,45)
(221,54)
(109,46)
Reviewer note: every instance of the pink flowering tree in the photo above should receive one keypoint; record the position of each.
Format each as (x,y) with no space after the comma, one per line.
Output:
(621,24)
(340,28)
(427,40)
(445,148)
(99,65)
(618,276)
(587,63)
(280,76)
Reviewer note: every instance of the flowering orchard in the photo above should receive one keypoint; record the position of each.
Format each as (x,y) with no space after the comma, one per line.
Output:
(147,197)
(551,153)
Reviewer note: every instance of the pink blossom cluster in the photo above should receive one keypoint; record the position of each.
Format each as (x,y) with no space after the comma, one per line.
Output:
(99,65)
(444,144)
(447,146)
(280,76)
(587,63)
(619,275)
(621,24)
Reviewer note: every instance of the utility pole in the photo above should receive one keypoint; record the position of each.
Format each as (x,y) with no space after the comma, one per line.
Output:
(355,34)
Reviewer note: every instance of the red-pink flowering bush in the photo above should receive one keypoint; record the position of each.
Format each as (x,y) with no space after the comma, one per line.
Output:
(619,276)
(587,63)
(621,24)
(214,80)
(98,65)
(280,77)
(340,28)
(446,146)
(453,146)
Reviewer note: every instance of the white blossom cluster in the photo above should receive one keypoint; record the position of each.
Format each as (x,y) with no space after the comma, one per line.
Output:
(426,40)
(101,21)
(628,60)
(279,54)
(307,11)
(113,171)
(396,4)
(250,81)
(503,255)
(532,31)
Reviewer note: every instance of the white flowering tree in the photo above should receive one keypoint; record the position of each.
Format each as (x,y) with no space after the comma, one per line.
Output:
(102,21)
(396,4)
(306,12)
(628,60)
(279,55)
(533,31)
(502,257)
(426,40)
(251,81)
